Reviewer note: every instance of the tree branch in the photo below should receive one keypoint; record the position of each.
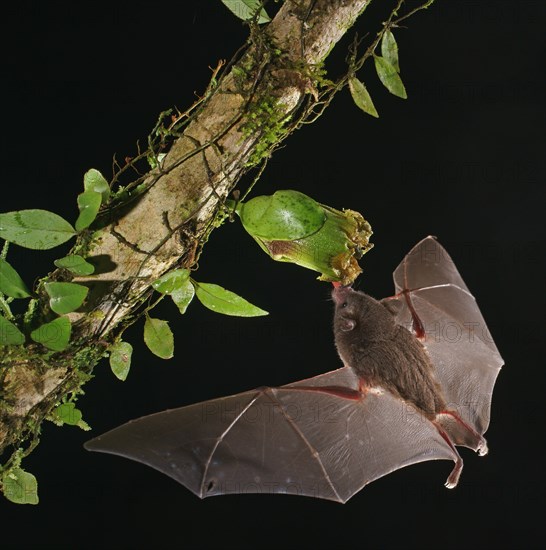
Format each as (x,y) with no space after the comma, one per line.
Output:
(164,221)
(204,165)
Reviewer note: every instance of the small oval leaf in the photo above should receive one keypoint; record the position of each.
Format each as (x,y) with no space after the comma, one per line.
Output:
(286,215)
(10,335)
(246,9)
(159,337)
(223,301)
(93,180)
(75,264)
(389,77)
(54,335)
(155,160)
(389,50)
(88,204)
(20,487)
(361,97)
(171,281)
(11,283)
(120,359)
(183,296)
(65,297)
(68,414)
(36,229)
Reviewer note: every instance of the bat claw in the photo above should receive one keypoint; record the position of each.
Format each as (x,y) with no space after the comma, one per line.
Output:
(483,449)
(454,476)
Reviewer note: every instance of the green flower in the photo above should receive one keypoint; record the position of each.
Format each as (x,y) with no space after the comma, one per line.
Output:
(292,227)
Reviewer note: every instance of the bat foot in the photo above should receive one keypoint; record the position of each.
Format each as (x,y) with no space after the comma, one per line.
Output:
(455,474)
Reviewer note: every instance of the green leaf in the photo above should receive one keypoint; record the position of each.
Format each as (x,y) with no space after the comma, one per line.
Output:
(159,338)
(389,77)
(389,50)
(246,9)
(223,301)
(361,97)
(155,160)
(120,359)
(10,335)
(20,487)
(183,296)
(93,180)
(75,264)
(286,215)
(171,281)
(65,297)
(68,414)
(36,229)
(54,335)
(11,283)
(88,204)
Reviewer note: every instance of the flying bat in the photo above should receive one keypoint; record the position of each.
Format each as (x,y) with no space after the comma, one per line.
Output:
(419,370)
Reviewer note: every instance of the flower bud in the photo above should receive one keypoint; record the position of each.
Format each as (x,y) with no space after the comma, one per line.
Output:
(292,227)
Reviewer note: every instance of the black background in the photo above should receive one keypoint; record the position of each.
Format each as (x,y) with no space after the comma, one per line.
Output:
(460,159)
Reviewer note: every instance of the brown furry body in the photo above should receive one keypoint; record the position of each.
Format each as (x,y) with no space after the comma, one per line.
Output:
(383,353)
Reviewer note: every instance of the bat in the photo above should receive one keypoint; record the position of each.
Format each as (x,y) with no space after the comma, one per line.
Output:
(419,370)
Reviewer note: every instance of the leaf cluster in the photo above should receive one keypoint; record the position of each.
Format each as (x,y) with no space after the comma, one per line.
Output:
(388,68)
(182,289)
(43,230)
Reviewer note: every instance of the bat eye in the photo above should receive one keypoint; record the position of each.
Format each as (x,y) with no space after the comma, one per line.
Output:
(344,304)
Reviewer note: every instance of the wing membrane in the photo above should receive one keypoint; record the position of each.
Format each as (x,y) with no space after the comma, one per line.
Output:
(297,439)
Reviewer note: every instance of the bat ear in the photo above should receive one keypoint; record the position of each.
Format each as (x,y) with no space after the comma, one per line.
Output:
(346,325)
(392,304)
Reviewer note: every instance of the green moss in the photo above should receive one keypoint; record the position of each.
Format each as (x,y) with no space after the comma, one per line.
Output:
(266,119)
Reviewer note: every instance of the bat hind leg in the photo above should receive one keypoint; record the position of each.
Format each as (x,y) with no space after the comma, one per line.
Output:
(461,433)
(453,478)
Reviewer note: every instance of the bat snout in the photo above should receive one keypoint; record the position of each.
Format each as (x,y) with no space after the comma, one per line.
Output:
(340,293)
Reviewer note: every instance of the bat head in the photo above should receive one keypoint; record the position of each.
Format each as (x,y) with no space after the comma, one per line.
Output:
(359,318)
(346,312)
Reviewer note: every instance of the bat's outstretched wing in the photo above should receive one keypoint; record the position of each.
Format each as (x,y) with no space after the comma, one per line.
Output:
(325,437)
(435,303)
(319,437)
